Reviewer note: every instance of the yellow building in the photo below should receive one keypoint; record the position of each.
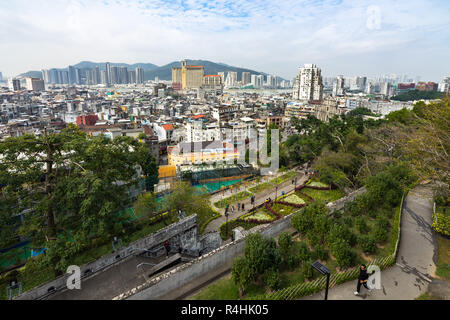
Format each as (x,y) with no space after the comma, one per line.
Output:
(187,77)
(201,152)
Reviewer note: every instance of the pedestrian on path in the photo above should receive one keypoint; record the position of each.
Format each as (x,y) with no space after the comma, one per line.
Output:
(243,207)
(238,206)
(362,279)
(167,247)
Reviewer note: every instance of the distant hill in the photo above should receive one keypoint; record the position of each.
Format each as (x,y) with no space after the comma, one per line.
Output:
(151,70)
(32,74)
(165,72)
(102,65)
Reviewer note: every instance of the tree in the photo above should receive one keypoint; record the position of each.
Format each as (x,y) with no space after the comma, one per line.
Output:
(149,168)
(261,253)
(242,274)
(68,188)
(147,205)
(187,199)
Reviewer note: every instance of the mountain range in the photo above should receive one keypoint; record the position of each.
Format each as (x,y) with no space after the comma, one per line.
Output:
(162,72)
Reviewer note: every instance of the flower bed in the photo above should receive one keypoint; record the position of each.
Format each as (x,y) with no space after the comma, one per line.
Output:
(293,199)
(260,215)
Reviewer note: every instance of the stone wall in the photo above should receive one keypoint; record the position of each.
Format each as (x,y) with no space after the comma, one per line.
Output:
(214,263)
(182,233)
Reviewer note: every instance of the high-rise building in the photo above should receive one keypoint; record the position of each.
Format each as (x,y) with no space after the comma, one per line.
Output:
(187,77)
(253,80)
(104,77)
(114,79)
(231,79)
(131,76)
(444,86)
(96,76)
(108,74)
(72,76)
(123,75)
(64,76)
(338,86)
(222,75)
(259,81)
(308,85)
(385,88)
(54,76)
(245,78)
(14,84)
(139,75)
(35,84)
(46,75)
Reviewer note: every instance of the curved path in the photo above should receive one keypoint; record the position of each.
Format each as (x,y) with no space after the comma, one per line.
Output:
(411,275)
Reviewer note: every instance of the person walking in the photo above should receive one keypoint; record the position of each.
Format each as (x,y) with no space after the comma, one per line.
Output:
(243,207)
(238,206)
(167,247)
(362,279)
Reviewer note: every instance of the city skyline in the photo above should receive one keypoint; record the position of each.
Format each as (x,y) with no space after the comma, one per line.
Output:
(369,38)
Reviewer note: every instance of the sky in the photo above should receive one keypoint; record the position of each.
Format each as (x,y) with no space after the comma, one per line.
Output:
(277,37)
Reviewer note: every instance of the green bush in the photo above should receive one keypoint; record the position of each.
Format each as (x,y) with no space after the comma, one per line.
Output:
(382,222)
(367,243)
(361,225)
(307,270)
(292,261)
(321,253)
(380,234)
(313,238)
(304,253)
(348,221)
(272,279)
(343,253)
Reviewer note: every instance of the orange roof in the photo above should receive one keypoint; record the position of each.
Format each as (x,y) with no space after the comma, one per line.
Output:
(198,116)
(194,66)
(168,127)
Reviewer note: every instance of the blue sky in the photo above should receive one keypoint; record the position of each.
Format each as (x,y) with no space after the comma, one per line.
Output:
(342,37)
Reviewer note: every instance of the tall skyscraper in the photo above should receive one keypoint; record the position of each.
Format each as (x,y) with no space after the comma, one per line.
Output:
(123,75)
(54,76)
(308,85)
(131,76)
(245,78)
(35,84)
(72,75)
(259,81)
(103,77)
(231,79)
(139,75)
(14,84)
(96,76)
(222,75)
(108,74)
(46,75)
(338,86)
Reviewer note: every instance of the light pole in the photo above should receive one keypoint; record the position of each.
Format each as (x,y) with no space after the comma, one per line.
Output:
(325,271)
(226,221)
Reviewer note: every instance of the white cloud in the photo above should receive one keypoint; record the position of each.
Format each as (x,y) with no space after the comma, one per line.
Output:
(271,36)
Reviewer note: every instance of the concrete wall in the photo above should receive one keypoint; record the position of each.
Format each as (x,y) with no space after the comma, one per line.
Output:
(211,264)
(339,204)
(184,232)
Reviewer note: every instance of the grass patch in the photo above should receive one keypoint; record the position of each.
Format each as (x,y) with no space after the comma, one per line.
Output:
(261,187)
(426,296)
(233,199)
(223,289)
(283,210)
(443,263)
(285,177)
(324,195)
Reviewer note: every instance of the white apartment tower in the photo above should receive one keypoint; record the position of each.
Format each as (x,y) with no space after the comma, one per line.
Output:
(308,84)
(338,86)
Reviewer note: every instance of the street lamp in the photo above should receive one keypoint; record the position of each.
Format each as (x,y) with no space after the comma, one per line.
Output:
(324,271)
(226,220)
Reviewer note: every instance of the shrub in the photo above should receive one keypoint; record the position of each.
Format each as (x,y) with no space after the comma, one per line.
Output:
(343,253)
(304,253)
(382,222)
(242,273)
(380,234)
(367,244)
(261,253)
(285,243)
(313,238)
(348,221)
(361,225)
(292,261)
(272,279)
(321,253)
(307,270)
(337,214)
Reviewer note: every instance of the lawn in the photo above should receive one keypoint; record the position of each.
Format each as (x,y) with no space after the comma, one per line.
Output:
(285,177)
(261,187)
(283,209)
(293,198)
(233,199)
(261,214)
(324,195)
(443,263)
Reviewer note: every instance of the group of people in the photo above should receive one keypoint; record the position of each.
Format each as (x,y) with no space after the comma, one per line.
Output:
(240,207)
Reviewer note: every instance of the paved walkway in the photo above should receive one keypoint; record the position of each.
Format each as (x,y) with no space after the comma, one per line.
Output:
(415,266)
(286,186)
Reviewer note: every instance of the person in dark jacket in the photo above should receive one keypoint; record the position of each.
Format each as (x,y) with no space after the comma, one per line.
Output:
(362,279)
